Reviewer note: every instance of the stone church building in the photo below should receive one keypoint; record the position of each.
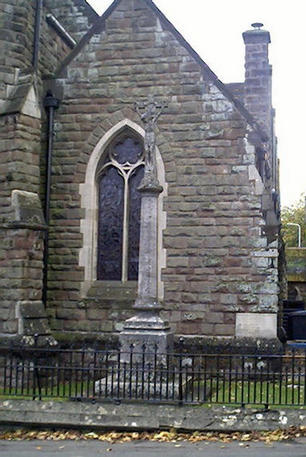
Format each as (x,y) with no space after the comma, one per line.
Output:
(72,159)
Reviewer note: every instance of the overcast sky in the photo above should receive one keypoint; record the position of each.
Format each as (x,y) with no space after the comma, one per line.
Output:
(214,30)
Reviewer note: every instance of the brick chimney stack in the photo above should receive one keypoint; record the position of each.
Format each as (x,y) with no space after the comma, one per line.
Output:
(258,72)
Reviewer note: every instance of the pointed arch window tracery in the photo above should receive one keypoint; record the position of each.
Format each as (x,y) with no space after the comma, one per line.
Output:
(118,178)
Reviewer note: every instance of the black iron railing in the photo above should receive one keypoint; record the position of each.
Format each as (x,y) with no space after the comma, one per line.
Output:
(94,375)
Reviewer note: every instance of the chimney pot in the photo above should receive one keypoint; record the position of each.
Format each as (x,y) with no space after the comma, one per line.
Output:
(257,25)
(256,34)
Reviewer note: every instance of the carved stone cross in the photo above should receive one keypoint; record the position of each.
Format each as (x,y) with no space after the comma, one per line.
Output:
(149,112)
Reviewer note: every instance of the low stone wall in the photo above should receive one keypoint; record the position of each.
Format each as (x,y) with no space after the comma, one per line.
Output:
(146,417)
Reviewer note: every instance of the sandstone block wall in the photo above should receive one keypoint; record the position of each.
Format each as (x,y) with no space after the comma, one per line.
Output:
(21,227)
(22,149)
(20,277)
(218,262)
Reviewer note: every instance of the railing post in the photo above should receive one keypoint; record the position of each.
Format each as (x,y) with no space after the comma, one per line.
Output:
(180,380)
(217,378)
(131,370)
(242,382)
(155,370)
(106,373)
(94,374)
(117,400)
(267,385)
(143,370)
(35,370)
(293,374)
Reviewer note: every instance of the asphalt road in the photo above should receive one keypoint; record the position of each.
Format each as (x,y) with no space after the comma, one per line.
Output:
(149,449)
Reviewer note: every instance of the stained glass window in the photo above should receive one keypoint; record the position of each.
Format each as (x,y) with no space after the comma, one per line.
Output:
(111,201)
(127,150)
(119,209)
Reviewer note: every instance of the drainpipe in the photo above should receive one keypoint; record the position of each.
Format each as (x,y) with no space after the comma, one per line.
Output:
(39,4)
(51,104)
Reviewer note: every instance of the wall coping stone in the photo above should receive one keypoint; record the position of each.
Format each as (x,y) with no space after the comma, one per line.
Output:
(146,417)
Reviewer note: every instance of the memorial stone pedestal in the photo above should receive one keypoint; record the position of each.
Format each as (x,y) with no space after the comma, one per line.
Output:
(147,329)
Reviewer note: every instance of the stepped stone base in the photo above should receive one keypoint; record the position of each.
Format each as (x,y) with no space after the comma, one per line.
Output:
(159,341)
(134,386)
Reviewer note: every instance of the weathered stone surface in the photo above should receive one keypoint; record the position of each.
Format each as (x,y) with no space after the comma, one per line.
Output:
(27,207)
(216,258)
(147,417)
(256,325)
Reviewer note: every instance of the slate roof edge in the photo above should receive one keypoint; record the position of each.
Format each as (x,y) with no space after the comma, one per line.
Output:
(90,12)
(98,27)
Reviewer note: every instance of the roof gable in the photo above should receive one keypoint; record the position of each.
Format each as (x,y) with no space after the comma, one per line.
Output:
(96,28)
(99,26)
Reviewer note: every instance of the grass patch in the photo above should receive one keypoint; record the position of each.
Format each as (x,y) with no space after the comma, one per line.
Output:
(62,392)
(248,393)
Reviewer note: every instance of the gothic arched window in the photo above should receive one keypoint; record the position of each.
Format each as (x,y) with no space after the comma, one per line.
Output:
(118,178)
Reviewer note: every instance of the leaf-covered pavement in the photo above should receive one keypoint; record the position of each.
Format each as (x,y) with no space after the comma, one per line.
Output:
(172,436)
